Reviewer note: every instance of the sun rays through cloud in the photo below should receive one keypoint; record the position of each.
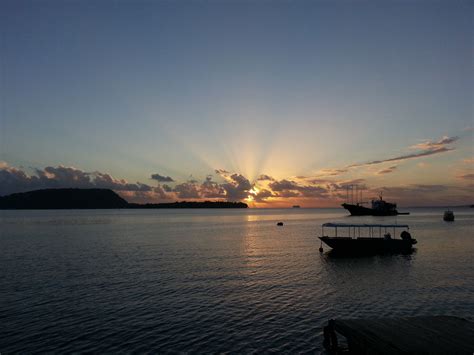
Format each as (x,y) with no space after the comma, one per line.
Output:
(242,174)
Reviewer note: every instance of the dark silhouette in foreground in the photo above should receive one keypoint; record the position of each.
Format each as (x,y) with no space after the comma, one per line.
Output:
(92,199)
(407,335)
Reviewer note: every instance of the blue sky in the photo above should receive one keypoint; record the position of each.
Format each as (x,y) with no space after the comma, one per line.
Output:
(283,88)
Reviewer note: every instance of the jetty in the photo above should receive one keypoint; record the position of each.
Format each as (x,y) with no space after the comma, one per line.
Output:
(407,335)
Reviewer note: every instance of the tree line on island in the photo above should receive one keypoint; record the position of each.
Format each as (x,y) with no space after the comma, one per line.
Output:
(94,199)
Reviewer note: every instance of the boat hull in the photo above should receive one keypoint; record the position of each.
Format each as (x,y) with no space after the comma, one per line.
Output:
(357,210)
(368,245)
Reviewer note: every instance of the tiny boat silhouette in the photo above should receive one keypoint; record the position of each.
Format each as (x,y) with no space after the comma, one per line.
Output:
(448,216)
(279,223)
(371,242)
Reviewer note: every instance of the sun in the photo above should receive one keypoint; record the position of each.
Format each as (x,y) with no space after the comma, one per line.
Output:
(252,193)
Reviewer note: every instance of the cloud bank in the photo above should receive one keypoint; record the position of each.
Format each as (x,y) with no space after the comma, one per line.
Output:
(426,148)
(326,188)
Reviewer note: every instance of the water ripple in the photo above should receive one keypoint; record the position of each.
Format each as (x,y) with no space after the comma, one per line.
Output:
(210,281)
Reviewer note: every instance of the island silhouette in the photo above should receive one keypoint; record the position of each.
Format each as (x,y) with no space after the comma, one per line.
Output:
(74,198)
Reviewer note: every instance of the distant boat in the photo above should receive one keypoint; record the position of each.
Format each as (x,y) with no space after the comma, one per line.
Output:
(296,206)
(379,208)
(372,242)
(448,216)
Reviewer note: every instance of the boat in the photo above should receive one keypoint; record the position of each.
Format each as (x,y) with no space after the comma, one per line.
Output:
(367,238)
(379,208)
(296,206)
(448,216)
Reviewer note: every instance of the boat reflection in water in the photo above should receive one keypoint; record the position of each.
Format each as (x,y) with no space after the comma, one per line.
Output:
(368,238)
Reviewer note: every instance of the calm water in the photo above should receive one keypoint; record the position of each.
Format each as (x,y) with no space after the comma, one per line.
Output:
(213,280)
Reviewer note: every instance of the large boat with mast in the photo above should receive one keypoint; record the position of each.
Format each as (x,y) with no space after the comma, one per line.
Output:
(379,207)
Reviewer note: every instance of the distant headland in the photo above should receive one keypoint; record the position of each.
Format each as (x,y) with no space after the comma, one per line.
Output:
(92,199)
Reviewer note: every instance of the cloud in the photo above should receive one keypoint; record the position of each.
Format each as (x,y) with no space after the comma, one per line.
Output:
(332,172)
(161,178)
(161,192)
(466,176)
(16,180)
(283,185)
(343,185)
(428,148)
(237,188)
(264,177)
(288,188)
(187,190)
(388,170)
(211,189)
(263,195)
(430,145)
(221,172)
(405,157)
(166,188)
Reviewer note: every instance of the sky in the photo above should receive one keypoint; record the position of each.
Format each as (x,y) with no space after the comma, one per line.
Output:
(273,103)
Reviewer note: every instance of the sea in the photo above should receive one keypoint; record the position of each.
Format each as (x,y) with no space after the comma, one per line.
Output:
(214,280)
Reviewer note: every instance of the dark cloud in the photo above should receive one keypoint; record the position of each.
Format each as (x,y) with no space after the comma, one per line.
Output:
(106,181)
(161,178)
(264,177)
(388,170)
(427,148)
(262,195)
(187,190)
(288,188)
(413,189)
(405,157)
(283,185)
(167,188)
(15,180)
(161,192)
(211,189)
(466,176)
(428,195)
(318,181)
(237,188)
(288,193)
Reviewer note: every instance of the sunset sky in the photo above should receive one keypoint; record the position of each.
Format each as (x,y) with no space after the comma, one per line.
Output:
(274,103)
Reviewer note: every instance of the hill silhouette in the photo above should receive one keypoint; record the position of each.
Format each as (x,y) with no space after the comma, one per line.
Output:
(63,199)
(191,204)
(92,199)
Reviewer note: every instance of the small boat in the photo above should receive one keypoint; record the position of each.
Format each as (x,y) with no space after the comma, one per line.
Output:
(280,224)
(296,206)
(448,216)
(367,238)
